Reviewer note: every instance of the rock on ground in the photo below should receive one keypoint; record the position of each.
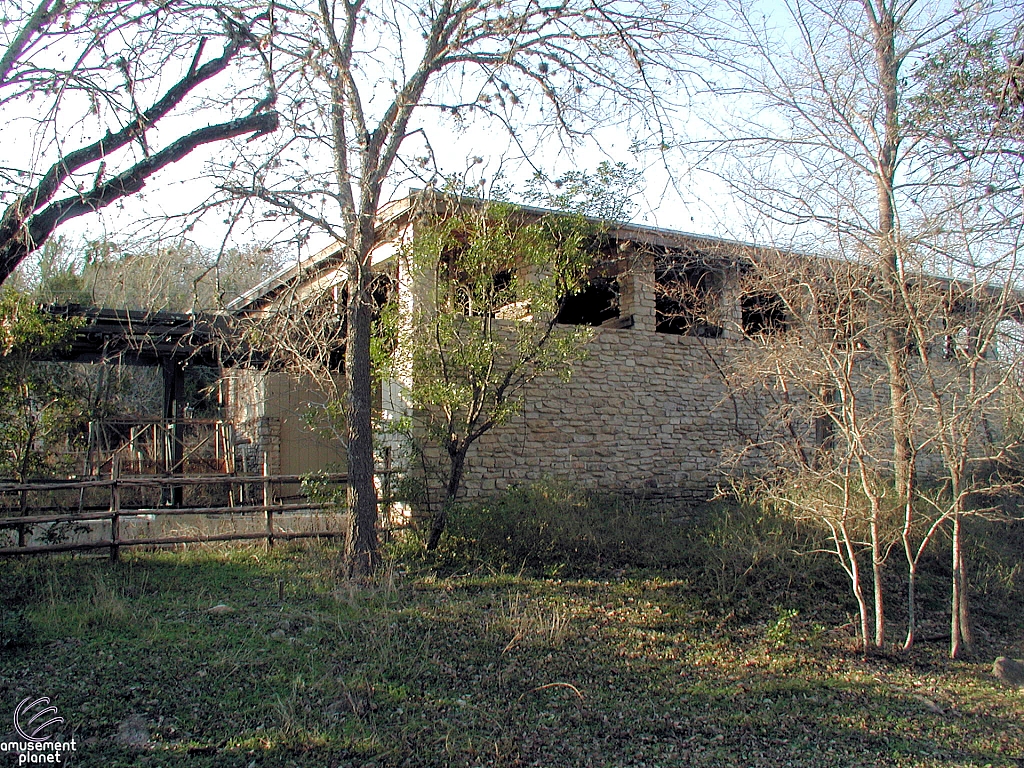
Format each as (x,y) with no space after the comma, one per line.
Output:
(133,731)
(1009,671)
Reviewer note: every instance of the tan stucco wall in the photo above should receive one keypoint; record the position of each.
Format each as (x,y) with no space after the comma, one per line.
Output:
(270,410)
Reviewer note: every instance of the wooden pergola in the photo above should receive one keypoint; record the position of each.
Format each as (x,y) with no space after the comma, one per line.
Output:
(170,341)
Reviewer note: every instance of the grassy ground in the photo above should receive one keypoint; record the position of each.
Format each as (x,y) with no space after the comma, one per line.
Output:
(618,669)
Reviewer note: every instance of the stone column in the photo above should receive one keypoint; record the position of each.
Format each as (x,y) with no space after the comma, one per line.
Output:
(636,288)
(730,307)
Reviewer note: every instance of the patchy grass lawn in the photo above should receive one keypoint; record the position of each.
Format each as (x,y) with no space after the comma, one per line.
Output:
(618,670)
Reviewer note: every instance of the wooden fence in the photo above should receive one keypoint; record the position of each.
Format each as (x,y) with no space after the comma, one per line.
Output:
(242,491)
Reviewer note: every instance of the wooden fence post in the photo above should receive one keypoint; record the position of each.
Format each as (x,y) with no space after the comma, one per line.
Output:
(115,509)
(266,502)
(386,496)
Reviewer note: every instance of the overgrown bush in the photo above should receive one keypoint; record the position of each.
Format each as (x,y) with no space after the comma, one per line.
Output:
(553,526)
(736,553)
(745,555)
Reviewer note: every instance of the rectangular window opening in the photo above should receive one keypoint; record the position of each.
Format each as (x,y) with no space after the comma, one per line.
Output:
(687,297)
(763,314)
(594,305)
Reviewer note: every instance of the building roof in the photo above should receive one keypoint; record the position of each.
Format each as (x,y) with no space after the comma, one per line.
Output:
(394,213)
(137,337)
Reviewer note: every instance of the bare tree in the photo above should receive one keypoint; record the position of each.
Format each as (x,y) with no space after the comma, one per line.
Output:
(828,146)
(809,353)
(84,87)
(354,79)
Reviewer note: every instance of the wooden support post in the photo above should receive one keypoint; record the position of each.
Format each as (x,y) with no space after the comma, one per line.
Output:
(266,502)
(115,509)
(90,447)
(174,387)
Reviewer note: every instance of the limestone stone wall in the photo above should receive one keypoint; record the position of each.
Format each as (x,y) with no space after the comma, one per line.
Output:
(645,413)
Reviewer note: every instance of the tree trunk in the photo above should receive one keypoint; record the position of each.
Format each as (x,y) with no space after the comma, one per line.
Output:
(862,605)
(457,466)
(362,551)
(853,571)
(895,354)
(908,551)
(877,571)
(911,607)
(960,631)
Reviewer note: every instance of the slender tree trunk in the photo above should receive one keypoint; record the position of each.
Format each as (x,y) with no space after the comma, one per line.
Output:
(966,633)
(855,583)
(22,472)
(911,606)
(956,640)
(961,638)
(862,605)
(908,551)
(877,573)
(457,466)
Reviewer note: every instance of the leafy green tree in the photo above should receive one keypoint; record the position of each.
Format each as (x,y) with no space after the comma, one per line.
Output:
(606,194)
(487,286)
(969,103)
(38,409)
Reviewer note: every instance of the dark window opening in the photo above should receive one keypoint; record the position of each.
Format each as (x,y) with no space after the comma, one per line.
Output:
(501,282)
(473,292)
(596,303)
(685,300)
(384,292)
(335,333)
(763,314)
(382,288)
(487,295)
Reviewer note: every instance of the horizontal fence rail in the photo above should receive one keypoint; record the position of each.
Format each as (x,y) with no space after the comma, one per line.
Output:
(111,518)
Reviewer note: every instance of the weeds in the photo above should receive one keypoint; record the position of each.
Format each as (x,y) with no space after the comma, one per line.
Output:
(558,528)
(609,668)
(531,623)
(779,632)
(294,717)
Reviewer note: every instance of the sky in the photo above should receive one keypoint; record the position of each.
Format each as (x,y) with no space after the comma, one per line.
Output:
(669,197)
(672,197)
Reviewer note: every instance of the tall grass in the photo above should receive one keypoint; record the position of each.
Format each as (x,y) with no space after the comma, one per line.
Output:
(557,528)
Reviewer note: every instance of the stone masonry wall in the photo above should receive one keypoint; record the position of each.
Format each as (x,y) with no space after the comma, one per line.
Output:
(645,413)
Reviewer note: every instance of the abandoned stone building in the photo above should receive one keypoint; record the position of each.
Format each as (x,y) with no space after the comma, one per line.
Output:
(648,410)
